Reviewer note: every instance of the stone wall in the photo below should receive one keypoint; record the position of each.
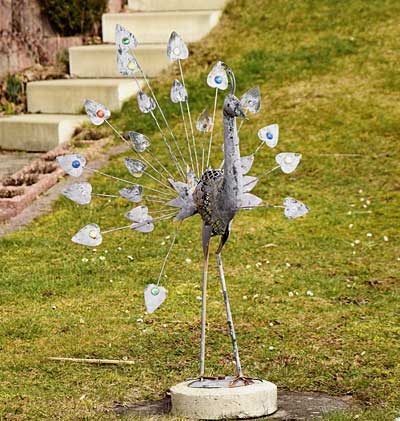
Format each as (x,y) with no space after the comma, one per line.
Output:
(26,37)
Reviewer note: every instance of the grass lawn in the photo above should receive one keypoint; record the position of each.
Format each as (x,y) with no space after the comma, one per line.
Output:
(316,300)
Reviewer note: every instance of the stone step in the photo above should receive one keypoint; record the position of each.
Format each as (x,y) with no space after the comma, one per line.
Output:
(159,5)
(100,60)
(156,27)
(37,132)
(66,96)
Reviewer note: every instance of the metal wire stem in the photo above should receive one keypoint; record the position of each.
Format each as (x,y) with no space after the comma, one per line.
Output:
(157,198)
(110,176)
(167,256)
(126,181)
(115,229)
(142,157)
(258,148)
(158,106)
(139,224)
(190,119)
(212,128)
(187,136)
(202,153)
(268,172)
(171,152)
(117,132)
(105,195)
(159,163)
(262,206)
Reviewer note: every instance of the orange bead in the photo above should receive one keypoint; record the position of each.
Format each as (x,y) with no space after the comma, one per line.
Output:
(100,113)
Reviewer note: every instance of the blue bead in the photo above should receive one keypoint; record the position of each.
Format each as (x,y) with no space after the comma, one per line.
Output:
(270,136)
(218,79)
(76,164)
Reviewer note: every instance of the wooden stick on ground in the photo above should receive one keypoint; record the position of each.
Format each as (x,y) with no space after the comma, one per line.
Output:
(91,360)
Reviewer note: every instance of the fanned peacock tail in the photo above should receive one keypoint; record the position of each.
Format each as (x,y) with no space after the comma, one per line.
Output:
(186,184)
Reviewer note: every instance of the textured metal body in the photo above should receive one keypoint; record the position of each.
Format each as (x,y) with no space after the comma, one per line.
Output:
(206,197)
(218,193)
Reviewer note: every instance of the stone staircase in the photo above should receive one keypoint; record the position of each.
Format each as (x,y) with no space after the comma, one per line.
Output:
(55,107)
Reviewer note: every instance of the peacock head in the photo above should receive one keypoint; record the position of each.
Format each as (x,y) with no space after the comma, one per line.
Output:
(232,107)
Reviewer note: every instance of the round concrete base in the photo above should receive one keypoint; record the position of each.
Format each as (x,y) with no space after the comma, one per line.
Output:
(209,403)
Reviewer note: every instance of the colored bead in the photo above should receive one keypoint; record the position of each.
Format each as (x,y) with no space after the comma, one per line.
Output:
(93,234)
(100,113)
(270,136)
(125,41)
(155,291)
(131,65)
(218,79)
(76,164)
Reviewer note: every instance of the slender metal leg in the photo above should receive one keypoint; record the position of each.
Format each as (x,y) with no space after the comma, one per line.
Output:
(203,317)
(229,316)
(206,237)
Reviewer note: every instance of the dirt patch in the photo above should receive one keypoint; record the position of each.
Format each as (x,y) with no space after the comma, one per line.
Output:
(291,406)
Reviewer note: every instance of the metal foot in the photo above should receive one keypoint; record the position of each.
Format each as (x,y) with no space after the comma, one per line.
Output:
(245,380)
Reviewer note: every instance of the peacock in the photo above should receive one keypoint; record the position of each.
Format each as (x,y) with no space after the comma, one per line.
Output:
(187,184)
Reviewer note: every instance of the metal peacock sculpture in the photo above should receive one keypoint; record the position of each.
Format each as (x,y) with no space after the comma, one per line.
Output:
(186,185)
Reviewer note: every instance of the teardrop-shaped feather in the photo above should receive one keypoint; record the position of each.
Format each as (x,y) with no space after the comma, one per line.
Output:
(80,193)
(135,167)
(138,214)
(204,123)
(179,186)
(294,208)
(176,48)
(133,193)
(144,226)
(146,103)
(269,135)
(185,213)
(178,92)
(89,235)
(178,202)
(72,164)
(249,183)
(124,39)
(126,63)
(288,161)
(154,296)
(217,78)
(96,112)
(191,179)
(249,200)
(139,141)
(247,162)
(251,100)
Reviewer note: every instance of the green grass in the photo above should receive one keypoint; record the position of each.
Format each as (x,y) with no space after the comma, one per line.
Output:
(328,72)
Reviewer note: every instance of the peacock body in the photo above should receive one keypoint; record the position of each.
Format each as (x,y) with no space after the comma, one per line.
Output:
(185,185)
